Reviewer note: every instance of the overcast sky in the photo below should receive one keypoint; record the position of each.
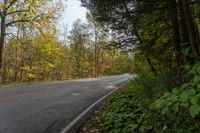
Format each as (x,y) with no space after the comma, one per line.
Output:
(72,12)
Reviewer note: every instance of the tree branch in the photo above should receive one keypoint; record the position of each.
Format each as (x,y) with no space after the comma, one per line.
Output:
(24,10)
(14,36)
(11,3)
(17,21)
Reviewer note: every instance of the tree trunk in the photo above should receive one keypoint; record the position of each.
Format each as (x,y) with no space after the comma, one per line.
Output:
(2,42)
(193,34)
(152,67)
(176,33)
(184,32)
(148,59)
(95,61)
(96,51)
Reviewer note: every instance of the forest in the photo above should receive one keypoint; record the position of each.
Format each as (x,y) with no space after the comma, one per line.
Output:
(33,49)
(158,41)
(163,36)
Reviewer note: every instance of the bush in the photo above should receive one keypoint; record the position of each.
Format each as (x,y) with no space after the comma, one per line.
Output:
(144,107)
(181,107)
(124,113)
(150,87)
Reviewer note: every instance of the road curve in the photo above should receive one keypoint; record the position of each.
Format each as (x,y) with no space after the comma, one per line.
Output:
(49,107)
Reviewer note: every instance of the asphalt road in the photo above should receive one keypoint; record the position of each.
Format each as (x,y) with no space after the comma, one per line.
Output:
(49,107)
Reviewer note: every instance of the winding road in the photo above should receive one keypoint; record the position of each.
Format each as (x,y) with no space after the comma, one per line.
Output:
(49,107)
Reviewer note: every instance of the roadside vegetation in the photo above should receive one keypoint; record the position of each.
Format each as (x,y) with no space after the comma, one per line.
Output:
(164,38)
(156,40)
(146,106)
(34,48)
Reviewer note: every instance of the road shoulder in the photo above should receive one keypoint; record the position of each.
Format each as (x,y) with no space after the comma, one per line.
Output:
(75,125)
(93,124)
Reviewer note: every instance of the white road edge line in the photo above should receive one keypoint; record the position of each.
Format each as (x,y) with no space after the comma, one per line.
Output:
(73,122)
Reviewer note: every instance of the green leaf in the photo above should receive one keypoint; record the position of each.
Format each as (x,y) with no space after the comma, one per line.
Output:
(156,104)
(185,95)
(197,79)
(184,104)
(186,85)
(164,110)
(134,126)
(195,99)
(194,110)
(185,51)
(176,107)
(142,128)
(198,86)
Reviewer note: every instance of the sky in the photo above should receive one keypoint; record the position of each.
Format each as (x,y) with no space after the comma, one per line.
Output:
(72,12)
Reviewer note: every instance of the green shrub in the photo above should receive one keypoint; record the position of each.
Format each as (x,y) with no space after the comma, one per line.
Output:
(138,109)
(128,111)
(151,87)
(181,107)
(124,113)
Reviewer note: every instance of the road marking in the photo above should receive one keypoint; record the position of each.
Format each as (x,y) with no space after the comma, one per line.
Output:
(84,113)
(110,87)
(87,79)
(75,94)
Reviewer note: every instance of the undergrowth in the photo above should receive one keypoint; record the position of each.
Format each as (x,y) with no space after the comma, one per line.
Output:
(155,104)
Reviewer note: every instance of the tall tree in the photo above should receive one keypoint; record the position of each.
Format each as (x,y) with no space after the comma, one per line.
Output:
(34,12)
(98,38)
(151,27)
(78,39)
(192,29)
